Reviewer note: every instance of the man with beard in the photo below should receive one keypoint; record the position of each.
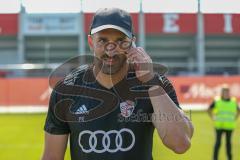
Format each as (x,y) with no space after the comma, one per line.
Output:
(93,104)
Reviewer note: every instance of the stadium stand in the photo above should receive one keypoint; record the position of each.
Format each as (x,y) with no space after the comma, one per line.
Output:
(176,49)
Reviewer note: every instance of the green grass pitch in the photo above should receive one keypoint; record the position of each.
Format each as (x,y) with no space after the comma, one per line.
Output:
(22,136)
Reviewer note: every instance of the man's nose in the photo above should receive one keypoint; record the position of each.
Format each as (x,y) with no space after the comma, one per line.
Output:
(110,49)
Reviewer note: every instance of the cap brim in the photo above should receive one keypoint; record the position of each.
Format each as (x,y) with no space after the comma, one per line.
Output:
(100,28)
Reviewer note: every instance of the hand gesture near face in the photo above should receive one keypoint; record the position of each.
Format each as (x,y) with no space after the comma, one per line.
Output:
(142,63)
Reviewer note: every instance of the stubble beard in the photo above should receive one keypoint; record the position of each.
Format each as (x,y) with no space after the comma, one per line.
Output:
(120,61)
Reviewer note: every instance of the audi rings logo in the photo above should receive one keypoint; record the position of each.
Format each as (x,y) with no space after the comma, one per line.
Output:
(103,139)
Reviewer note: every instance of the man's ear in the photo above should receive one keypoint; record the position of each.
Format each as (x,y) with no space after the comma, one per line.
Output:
(134,39)
(134,42)
(90,42)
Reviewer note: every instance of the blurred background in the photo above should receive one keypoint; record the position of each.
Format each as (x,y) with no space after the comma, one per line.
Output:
(198,40)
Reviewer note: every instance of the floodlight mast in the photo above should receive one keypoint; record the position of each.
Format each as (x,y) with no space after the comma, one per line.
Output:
(141,21)
(200,41)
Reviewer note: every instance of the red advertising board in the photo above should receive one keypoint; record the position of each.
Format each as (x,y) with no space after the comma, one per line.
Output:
(24,91)
(8,24)
(36,91)
(204,89)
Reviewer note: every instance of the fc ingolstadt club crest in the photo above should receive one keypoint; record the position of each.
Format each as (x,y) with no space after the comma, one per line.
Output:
(127,108)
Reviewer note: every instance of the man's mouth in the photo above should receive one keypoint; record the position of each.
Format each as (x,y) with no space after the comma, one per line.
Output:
(109,61)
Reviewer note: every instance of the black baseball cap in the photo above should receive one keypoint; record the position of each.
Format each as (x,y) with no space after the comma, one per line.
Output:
(114,18)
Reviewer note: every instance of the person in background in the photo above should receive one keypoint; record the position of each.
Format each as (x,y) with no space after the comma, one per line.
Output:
(224,111)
